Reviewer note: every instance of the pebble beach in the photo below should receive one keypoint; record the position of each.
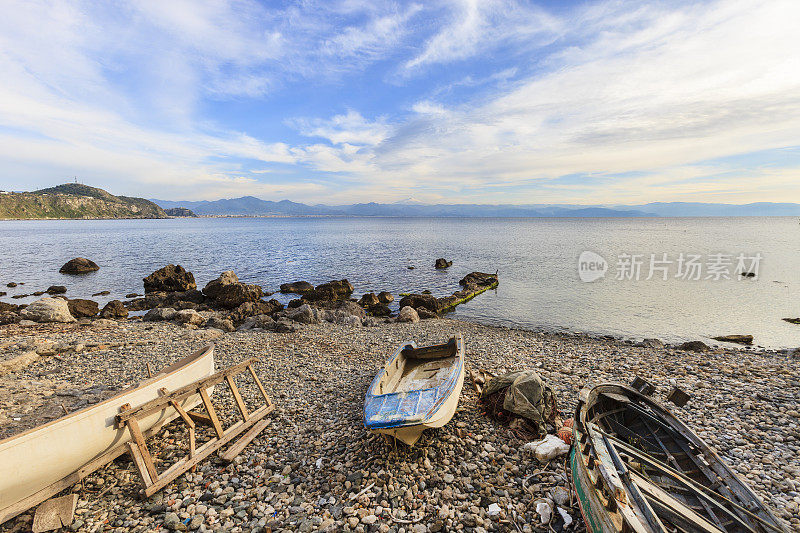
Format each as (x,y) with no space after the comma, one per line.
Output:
(315,467)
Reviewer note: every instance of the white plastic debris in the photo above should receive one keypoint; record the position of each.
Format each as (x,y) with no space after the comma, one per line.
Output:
(564,516)
(548,448)
(544,510)
(319,463)
(494,509)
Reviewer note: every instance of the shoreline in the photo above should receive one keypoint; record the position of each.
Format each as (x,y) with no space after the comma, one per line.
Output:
(744,404)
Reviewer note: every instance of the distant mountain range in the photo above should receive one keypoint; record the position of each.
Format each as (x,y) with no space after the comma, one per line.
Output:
(252,206)
(75,200)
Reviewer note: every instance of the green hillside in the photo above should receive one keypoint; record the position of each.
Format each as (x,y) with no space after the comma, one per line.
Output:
(75,200)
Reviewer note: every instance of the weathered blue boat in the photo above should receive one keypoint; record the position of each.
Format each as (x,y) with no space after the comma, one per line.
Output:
(418,388)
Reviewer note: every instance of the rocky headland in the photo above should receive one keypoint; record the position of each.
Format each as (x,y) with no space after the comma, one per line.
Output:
(74,200)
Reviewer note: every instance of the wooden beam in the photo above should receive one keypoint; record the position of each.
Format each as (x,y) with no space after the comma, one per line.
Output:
(141,445)
(200,418)
(258,383)
(181,393)
(245,439)
(205,450)
(212,413)
(238,397)
(133,449)
(186,418)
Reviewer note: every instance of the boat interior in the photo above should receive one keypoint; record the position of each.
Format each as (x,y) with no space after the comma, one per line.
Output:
(419,368)
(684,486)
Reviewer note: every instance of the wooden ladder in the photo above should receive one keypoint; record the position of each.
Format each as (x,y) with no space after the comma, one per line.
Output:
(252,422)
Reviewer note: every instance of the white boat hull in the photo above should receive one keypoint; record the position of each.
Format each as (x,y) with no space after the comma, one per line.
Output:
(36,459)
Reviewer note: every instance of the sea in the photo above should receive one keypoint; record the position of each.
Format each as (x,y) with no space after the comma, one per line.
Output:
(675,279)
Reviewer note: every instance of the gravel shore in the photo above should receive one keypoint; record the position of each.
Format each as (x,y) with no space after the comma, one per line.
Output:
(315,467)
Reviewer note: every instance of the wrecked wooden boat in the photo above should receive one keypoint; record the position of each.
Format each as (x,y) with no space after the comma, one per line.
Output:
(418,388)
(638,468)
(45,460)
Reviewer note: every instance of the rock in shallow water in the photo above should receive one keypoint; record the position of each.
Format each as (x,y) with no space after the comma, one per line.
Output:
(79,265)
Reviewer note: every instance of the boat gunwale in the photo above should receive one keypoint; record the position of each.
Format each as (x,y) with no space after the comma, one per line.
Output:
(177,366)
(447,387)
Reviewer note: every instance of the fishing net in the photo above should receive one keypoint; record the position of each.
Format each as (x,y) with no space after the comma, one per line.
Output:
(522,395)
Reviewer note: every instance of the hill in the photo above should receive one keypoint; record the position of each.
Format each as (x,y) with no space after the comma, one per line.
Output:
(75,200)
(255,207)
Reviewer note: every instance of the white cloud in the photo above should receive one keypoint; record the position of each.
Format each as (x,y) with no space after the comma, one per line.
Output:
(619,89)
(479,26)
(667,88)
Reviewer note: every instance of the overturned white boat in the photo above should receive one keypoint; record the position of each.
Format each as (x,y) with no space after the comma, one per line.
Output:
(45,460)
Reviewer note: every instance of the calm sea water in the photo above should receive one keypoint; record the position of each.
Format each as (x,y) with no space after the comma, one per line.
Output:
(537,260)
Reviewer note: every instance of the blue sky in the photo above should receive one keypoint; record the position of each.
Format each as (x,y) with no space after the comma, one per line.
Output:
(341,101)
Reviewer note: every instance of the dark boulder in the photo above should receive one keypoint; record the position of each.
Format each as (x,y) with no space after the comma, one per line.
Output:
(133,295)
(79,265)
(232,296)
(297,302)
(11,285)
(249,309)
(171,278)
(333,290)
(420,300)
(192,295)
(138,304)
(114,309)
(83,308)
(379,310)
(7,307)
(369,300)
(3,293)
(214,287)
(475,281)
(385,297)
(224,324)
(38,293)
(102,293)
(443,263)
(8,317)
(297,287)
(694,346)
(56,289)
(738,339)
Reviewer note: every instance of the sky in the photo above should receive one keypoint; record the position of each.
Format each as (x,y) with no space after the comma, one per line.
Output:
(442,101)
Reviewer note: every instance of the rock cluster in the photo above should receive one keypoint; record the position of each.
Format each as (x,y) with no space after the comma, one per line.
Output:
(472,285)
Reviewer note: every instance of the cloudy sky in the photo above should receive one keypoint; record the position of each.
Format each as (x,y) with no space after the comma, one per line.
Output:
(338,101)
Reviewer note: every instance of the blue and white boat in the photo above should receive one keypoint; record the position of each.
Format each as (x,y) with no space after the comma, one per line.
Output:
(418,388)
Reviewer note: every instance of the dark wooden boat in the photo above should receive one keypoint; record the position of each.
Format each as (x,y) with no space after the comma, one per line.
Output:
(636,467)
